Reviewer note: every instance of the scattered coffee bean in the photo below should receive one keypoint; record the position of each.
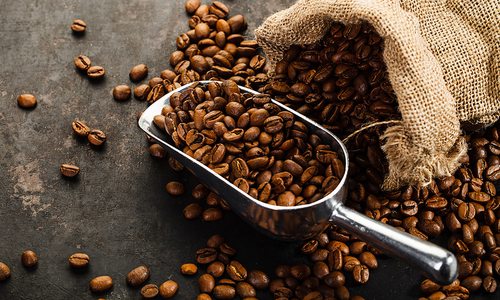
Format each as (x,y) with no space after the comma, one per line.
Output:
(79,260)
(121,92)
(168,289)
(96,137)
(101,284)
(26,101)
(4,271)
(80,128)
(192,5)
(82,62)
(138,72)
(175,188)
(157,151)
(69,170)
(29,259)
(189,269)
(206,283)
(95,72)
(149,291)
(138,276)
(78,26)
(141,91)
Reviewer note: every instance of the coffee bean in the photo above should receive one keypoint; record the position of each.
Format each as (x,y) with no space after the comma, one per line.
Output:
(368,259)
(101,284)
(334,279)
(4,271)
(472,283)
(219,9)
(206,255)
(211,214)
(203,296)
(82,62)
(69,170)
(157,151)
(149,291)
(490,284)
(466,211)
(79,260)
(192,211)
(168,289)
(189,269)
(26,101)
(121,92)
(29,259)
(95,72)
(138,276)
(80,128)
(192,5)
(138,72)
(206,283)
(361,274)
(236,271)
(224,292)
(96,137)
(78,26)
(175,188)
(141,92)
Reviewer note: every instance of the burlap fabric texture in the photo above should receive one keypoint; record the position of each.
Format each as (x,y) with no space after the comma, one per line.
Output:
(443,63)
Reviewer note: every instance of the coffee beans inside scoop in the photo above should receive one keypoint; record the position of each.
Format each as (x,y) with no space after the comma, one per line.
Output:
(250,141)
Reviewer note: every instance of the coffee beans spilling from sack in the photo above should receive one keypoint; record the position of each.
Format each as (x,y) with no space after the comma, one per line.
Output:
(252,142)
(340,82)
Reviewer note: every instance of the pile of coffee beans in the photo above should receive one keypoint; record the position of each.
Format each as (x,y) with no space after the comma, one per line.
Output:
(213,49)
(341,82)
(252,142)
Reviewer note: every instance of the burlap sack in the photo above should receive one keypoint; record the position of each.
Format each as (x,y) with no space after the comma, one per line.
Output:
(443,63)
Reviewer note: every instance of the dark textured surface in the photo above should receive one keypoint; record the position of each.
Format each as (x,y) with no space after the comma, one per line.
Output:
(117,211)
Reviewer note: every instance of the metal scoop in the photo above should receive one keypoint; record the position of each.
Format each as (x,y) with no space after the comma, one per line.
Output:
(305,221)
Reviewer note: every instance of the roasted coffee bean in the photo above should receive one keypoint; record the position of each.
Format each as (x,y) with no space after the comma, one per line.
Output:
(224,291)
(361,274)
(101,284)
(368,259)
(211,214)
(141,91)
(138,276)
(192,211)
(472,283)
(206,255)
(236,271)
(203,296)
(206,283)
(189,269)
(157,151)
(466,211)
(26,101)
(258,279)
(490,284)
(192,5)
(122,92)
(96,137)
(150,291)
(69,170)
(79,260)
(168,289)
(82,62)
(334,279)
(29,259)
(4,271)
(175,188)
(80,128)
(138,72)
(78,26)
(96,72)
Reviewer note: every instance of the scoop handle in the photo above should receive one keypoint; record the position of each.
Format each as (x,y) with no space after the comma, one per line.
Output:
(436,262)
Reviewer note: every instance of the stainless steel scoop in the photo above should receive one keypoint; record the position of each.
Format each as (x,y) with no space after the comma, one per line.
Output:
(305,221)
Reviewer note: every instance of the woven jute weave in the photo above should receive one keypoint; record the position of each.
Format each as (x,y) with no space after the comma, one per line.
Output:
(443,61)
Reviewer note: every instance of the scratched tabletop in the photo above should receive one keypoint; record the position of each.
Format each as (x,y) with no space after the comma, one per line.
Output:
(117,209)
